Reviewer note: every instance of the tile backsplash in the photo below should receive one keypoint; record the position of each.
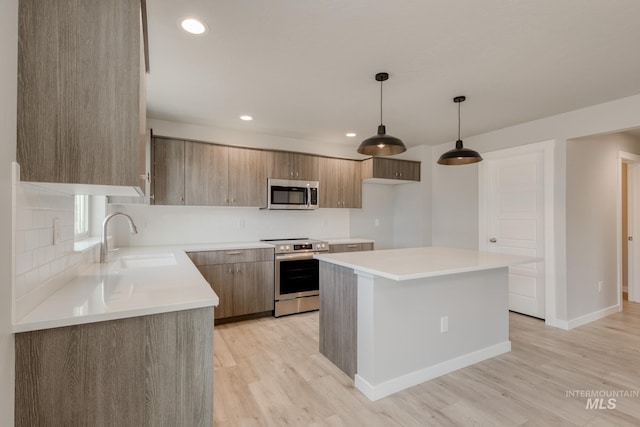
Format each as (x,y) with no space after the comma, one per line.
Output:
(44,245)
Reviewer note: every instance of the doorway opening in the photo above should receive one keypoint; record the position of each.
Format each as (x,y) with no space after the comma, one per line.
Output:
(628,228)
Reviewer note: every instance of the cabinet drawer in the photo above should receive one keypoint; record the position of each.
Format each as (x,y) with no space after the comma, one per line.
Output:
(351,247)
(231,256)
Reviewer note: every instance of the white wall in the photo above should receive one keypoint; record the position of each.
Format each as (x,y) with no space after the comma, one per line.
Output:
(592,233)
(455,188)
(412,204)
(8,101)
(376,206)
(166,225)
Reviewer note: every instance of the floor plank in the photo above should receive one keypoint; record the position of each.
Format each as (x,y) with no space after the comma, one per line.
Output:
(268,372)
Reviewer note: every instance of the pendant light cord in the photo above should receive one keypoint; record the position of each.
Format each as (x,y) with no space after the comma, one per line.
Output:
(459,121)
(380,101)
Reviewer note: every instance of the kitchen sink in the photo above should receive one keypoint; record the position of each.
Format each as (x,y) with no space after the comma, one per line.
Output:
(146,261)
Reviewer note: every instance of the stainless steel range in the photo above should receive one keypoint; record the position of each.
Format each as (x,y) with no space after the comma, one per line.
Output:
(296,275)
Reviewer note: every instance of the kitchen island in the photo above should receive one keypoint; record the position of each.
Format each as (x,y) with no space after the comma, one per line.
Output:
(392,319)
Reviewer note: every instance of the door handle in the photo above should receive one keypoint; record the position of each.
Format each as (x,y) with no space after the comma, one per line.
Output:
(493,240)
(630,238)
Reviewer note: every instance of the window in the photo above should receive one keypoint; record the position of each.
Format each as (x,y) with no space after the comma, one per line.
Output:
(81,217)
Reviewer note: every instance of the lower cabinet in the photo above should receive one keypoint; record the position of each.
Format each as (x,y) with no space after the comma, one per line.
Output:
(243,287)
(153,370)
(350,247)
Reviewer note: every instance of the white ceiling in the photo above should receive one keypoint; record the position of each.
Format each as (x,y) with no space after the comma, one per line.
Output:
(305,68)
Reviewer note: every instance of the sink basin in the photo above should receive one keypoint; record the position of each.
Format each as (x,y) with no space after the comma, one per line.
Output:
(146,261)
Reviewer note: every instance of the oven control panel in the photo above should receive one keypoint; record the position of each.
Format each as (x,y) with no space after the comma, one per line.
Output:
(300,247)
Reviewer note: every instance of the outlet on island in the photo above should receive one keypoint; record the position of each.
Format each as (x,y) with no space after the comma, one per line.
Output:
(444,324)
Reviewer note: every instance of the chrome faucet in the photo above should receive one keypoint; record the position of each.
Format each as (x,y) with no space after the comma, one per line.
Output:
(104,250)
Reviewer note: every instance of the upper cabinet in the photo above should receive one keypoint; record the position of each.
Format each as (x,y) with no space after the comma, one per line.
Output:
(340,183)
(385,170)
(197,173)
(167,169)
(247,177)
(287,165)
(81,106)
(206,174)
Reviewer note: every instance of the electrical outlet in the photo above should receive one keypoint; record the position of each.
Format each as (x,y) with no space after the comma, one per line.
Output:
(444,324)
(377,222)
(56,231)
(600,285)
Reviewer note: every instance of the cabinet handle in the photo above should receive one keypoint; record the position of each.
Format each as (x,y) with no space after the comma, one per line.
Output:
(352,246)
(493,240)
(235,253)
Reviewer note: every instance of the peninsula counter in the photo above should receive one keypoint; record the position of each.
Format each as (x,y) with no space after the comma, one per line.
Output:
(392,319)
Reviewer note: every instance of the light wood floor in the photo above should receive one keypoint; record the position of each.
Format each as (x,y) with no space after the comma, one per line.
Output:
(269,372)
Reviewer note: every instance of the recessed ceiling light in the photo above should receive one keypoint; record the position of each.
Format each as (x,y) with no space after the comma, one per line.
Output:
(193,25)
(351,134)
(246,118)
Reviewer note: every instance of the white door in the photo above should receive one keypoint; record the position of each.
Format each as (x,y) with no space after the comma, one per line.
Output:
(633,225)
(515,225)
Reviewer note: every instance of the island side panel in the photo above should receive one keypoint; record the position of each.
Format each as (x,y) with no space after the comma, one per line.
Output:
(338,316)
(104,373)
(400,342)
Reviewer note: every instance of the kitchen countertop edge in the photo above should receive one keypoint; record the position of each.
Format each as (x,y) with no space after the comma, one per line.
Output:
(182,287)
(399,264)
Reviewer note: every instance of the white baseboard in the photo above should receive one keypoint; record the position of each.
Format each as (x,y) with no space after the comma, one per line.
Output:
(389,387)
(587,318)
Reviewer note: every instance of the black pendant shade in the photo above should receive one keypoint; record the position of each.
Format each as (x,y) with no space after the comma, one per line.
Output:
(459,155)
(381,144)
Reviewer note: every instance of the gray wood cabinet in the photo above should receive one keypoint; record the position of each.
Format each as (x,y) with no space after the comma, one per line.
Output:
(392,169)
(80,92)
(167,183)
(206,174)
(338,332)
(340,183)
(288,165)
(138,371)
(350,247)
(242,279)
(198,173)
(247,177)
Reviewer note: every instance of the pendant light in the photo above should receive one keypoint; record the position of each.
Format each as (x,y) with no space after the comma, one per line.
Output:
(381,144)
(459,155)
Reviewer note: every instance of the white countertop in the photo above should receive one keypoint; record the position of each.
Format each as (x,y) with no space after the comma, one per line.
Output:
(417,263)
(197,247)
(135,282)
(347,240)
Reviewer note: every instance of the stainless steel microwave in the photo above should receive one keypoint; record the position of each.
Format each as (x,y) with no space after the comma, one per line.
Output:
(292,194)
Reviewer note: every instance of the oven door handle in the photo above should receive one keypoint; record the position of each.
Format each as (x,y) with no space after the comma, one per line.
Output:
(293,257)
